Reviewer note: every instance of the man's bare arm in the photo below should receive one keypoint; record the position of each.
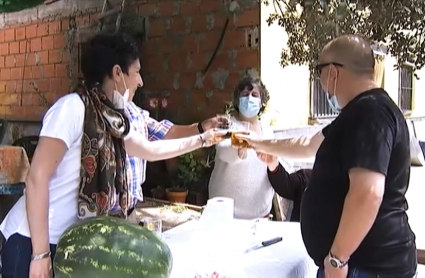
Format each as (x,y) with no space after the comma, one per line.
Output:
(302,147)
(360,210)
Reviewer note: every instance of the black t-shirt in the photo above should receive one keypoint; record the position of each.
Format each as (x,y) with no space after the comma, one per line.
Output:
(369,133)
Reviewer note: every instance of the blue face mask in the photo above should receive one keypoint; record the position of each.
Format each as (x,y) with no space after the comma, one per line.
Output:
(333,103)
(249,106)
(332,100)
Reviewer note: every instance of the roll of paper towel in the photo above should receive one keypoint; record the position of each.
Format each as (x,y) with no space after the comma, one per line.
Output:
(218,211)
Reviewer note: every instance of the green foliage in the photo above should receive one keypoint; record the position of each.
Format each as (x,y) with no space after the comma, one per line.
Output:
(10,6)
(310,24)
(191,169)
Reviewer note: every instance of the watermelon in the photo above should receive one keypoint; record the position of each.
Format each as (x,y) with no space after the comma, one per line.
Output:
(109,247)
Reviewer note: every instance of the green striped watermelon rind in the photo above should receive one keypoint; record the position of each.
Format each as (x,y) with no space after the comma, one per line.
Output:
(109,247)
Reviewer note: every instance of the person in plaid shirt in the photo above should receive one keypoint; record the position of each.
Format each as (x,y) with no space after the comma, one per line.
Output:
(153,130)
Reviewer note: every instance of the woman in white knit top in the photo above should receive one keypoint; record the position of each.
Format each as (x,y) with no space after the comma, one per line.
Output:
(238,173)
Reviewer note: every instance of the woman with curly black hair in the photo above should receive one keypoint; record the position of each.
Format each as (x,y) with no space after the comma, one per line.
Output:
(238,173)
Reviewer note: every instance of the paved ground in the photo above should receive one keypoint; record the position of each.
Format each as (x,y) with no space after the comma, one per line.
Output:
(416,199)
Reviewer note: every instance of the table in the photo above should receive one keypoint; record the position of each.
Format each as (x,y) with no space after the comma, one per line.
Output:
(14,167)
(286,259)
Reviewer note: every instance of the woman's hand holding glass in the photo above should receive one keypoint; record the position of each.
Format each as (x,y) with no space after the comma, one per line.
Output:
(213,136)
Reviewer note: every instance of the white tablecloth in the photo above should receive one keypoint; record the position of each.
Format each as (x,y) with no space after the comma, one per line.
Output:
(194,254)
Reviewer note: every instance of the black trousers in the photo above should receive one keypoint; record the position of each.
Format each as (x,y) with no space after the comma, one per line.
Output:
(16,256)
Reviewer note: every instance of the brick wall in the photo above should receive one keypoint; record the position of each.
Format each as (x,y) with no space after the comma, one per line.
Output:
(38,60)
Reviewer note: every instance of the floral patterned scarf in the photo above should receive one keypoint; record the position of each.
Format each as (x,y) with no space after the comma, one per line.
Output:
(103,155)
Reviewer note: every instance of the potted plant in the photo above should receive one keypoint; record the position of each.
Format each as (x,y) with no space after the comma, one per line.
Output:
(190,170)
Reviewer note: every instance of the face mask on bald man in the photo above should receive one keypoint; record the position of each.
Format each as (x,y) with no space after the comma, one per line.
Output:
(332,100)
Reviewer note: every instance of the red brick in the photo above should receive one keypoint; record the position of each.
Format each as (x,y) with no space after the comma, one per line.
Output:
(20,33)
(199,23)
(42,84)
(55,56)
(61,70)
(14,47)
(190,43)
(208,41)
(156,28)
(148,9)
(47,43)
(20,60)
(36,44)
(167,45)
(43,29)
(55,85)
(196,61)
(43,57)
(10,88)
(178,25)
(31,31)
(59,41)
(37,72)
(234,39)
(189,8)
(2,62)
(220,20)
(55,27)
(31,59)
(65,85)
(49,71)
(232,80)
(210,6)
(176,63)
(2,88)
(155,64)
(17,73)
(65,24)
(10,61)
(30,99)
(5,74)
(24,46)
(1,36)
(166,8)
(247,59)
(27,73)
(221,60)
(9,35)
(4,49)
(149,47)
(187,80)
(11,98)
(248,18)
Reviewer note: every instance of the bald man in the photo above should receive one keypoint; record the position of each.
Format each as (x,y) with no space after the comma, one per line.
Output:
(353,213)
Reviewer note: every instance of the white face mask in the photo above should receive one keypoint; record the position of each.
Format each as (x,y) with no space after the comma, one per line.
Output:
(120,100)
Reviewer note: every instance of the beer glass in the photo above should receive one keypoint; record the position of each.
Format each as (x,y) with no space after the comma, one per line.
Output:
(239,128)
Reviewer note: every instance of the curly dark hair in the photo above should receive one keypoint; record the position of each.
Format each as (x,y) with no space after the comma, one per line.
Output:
(247,83)
(103,52)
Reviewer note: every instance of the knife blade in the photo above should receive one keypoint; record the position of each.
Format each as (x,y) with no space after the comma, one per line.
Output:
(264,244)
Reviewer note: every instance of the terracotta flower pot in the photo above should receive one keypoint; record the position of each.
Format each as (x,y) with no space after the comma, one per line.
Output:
(176,195)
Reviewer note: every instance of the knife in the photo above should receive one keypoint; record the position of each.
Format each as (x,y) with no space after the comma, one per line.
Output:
(264,244)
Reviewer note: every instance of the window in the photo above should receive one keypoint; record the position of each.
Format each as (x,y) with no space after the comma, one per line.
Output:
(319,106)
(405,88)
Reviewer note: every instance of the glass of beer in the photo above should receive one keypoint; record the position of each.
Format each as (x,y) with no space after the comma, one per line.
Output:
(239,128)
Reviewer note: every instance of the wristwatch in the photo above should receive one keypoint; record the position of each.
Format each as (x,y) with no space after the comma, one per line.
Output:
(335,262)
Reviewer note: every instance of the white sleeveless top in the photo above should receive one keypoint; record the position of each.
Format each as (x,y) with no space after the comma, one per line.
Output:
(244,180)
